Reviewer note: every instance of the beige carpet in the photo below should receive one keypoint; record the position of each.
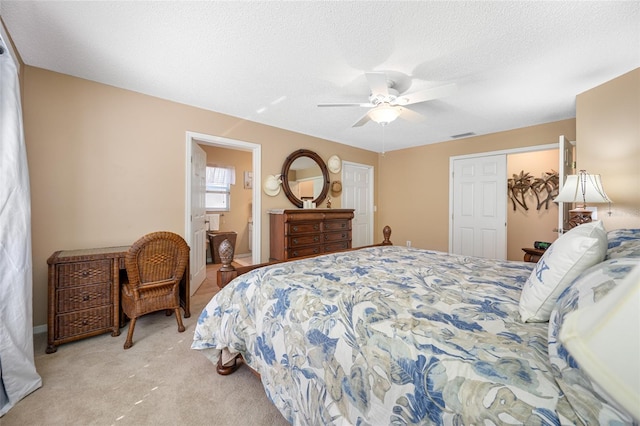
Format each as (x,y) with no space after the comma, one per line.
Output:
(159,381)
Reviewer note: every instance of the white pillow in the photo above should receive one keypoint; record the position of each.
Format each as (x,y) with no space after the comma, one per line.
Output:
(570,255)
(604,340)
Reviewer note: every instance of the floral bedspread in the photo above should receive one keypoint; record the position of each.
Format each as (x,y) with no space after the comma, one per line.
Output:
(389,335)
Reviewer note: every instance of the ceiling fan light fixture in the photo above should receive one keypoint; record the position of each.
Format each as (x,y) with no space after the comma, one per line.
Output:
(384,113)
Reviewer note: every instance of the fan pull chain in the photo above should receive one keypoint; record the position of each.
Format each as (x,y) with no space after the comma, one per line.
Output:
(384,125)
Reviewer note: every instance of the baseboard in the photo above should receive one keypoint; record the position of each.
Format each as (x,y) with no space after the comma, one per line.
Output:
(40,329)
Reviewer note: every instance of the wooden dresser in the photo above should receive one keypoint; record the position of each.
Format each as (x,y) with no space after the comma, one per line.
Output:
(303,232)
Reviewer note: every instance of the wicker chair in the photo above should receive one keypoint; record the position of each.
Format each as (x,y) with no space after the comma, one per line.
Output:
(155,264)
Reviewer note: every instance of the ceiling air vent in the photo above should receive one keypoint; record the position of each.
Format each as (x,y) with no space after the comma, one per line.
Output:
(463,135)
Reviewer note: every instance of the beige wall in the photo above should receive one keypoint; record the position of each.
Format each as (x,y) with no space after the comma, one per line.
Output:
(107,165)
(237,218)
(526,226)
(413,189)
(608,130)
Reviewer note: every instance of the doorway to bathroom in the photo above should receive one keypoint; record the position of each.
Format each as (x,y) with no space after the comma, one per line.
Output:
(244,199)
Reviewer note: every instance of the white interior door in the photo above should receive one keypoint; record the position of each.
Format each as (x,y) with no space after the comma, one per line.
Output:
(566,167)
(479,206)
(198,233)
(357,194)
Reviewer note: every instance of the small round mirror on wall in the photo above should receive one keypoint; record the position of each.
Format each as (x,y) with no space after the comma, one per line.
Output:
(305,175)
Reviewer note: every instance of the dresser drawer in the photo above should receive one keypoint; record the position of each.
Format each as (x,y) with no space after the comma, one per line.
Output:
(337,225)
(302,228)
(81,273)
(340,245)
(83,322)
(337,236)
(304,240)
(304,251)
(83,297)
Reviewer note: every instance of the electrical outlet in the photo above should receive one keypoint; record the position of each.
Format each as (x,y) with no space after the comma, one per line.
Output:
(408,243)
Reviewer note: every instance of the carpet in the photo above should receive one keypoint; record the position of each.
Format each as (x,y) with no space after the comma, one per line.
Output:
(159,381)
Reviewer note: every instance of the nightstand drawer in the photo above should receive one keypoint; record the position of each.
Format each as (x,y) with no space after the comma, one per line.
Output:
(82,273)
(83,297)
(83,322)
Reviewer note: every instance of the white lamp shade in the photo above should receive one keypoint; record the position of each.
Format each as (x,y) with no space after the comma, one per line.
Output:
(384,113)
(582,188)
(604,338)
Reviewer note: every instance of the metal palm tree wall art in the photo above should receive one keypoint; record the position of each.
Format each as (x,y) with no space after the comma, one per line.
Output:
(544,189)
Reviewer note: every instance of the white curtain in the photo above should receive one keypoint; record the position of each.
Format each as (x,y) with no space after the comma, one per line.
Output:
(221,176)
(18,376)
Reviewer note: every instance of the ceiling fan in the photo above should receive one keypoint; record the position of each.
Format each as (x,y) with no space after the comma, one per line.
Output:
(386,103)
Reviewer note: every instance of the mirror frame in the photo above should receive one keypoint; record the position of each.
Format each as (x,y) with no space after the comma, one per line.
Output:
(285,173)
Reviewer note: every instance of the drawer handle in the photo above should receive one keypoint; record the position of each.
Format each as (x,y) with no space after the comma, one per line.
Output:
(85,322)
(344,224)
(295,254)
(85,274)
(344,235)
(85,298)
(295,228)
(315,239)
(315,250)
(326,237)
(316,227)
(295,241)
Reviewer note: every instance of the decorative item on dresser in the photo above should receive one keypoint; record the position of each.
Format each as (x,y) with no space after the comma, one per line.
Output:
(84,294)
(297,233)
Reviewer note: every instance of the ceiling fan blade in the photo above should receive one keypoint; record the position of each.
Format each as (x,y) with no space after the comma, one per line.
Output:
(361,104)
(378,83)
(363,120)
(410,115)
(426,95)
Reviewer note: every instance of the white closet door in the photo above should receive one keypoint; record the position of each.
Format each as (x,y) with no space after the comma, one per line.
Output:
(479,206)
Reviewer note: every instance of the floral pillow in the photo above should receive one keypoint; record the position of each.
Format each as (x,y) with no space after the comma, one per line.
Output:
(623,243)
(589,402)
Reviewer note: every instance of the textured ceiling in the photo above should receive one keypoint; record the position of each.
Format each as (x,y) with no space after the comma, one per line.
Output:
(515,64)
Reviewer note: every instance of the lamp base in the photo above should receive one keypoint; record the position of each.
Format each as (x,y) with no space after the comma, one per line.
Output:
(578,217)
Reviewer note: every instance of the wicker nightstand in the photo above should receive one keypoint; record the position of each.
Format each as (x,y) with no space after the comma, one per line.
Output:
(532,254)
(84,294)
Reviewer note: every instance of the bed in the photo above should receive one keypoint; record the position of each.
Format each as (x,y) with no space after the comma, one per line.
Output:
(398,335)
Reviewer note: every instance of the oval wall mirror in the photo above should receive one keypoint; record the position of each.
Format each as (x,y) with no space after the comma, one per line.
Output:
(305,175)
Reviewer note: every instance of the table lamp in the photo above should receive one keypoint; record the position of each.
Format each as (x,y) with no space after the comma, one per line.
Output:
(581,189)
